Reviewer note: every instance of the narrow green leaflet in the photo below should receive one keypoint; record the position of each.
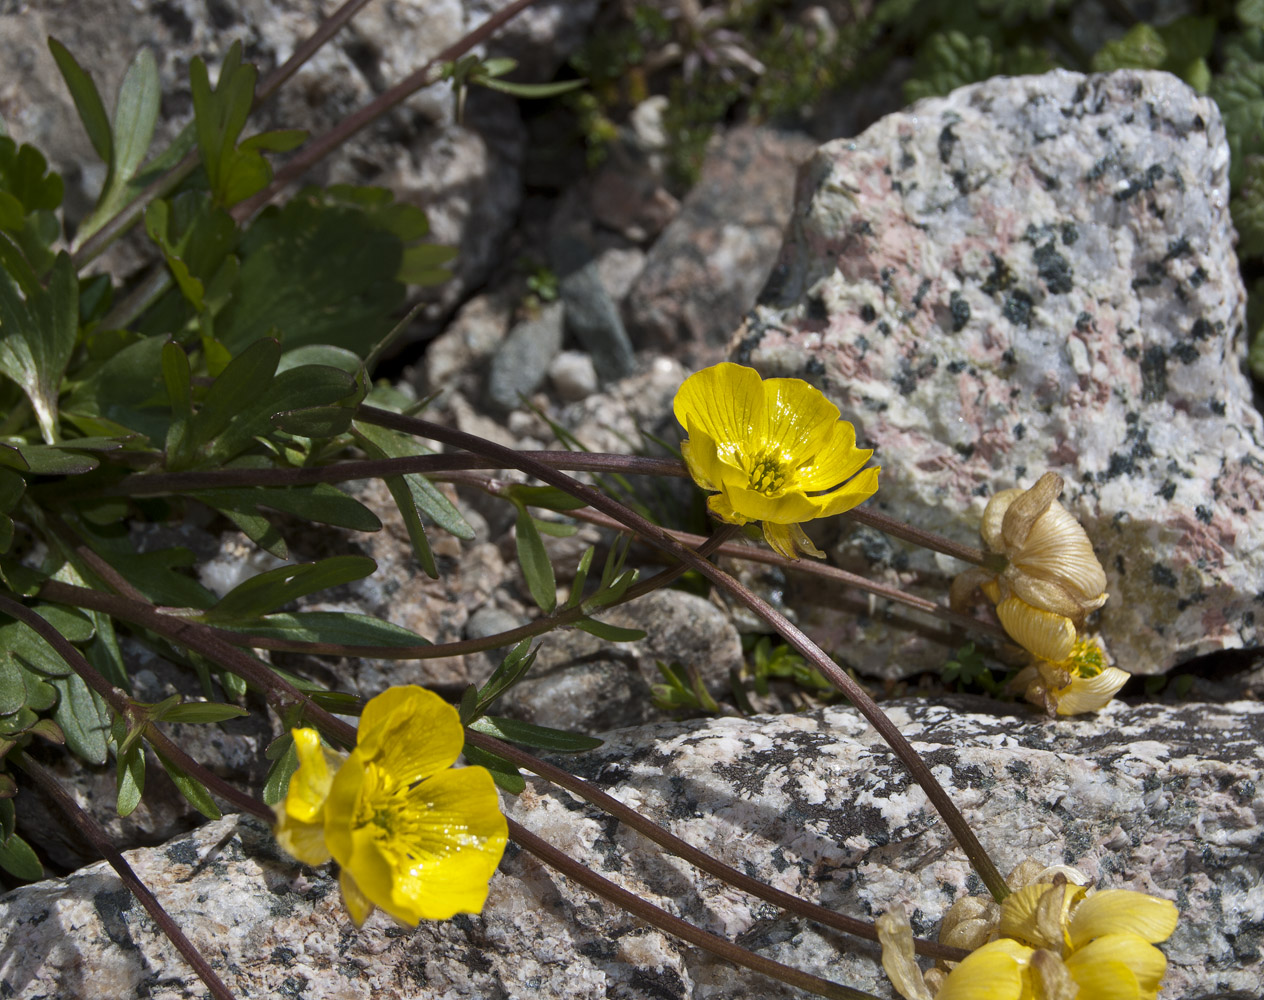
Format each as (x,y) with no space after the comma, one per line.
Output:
(200,712)
(269,591)
(189,787)
(130,775)
(322,503)
(84,718)
(383,443)
(38,329)
(548,497)
(503,772)
(511,670)
(29,196)
(87,101)
(284,763)
(527,734)
(343,628)
(135,115)
(19,860)
(613,633)
(220,113)
(537,570)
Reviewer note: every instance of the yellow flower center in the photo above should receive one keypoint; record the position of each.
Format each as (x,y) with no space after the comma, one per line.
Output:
(1085,659)
(768,474)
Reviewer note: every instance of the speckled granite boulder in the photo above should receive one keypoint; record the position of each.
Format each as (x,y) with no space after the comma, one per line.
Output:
(1164,799)
(1032,274)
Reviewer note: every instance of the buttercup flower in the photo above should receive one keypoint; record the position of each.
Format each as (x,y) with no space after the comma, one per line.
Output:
(1083,682)
(410,833)
(771,450)
(1058,941)
(1052,579)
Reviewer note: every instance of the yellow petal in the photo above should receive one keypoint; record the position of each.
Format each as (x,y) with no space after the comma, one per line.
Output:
(898,957)
(789,508)
(725,402)
(997,971)
(309,784)
(698,451)
(357,903)
(855,491)
(449,847)
(1037,914)
(1121,911)
(1088,694)
(1043,633)
(799,418)
(355,780)
(718,504)
(411,732)
(789,540)
(1095,967)
(304,841)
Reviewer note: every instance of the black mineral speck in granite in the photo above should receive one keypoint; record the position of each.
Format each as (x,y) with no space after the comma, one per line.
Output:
(1163,575)
(1217,407)
(816,308)
(1186,353)
(1145,182)
(1020,431)
(1017,308)
(960,310)
(1069,233)
(1203,513)
(947,140)
(814,367)
(1153,374)
(1167,490)
(182,852)
(1053,268)
(868,313)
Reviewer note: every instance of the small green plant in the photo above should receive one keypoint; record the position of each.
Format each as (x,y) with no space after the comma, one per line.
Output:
(682,688)
(968,671)
(768,660)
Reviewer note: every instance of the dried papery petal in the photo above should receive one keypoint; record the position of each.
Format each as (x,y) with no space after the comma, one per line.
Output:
(1027,508)
(994,518)
(898,957)
(1057,548)
(964,585)
(1054,978)
(969,923)
(1047,635)
(1043,594)
(1090,694)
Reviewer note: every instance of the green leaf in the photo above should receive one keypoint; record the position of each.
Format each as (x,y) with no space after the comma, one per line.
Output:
(278,141)
(284,763)
(1141,48)
(948,60)
(322,503)
(201,712)
(73,624)
(45,460)
(380,442)
(178,378)
(84,719)
(29,195)
(614,633)
(534,560)
(548,497)
(19,860)
(220,114)
(529,90)
(8,817)
(192,789)
(424,265)
(1187,39)
(343,628)
(130,774)
(511,670)
(581,578)
(247,377)
(1239,91)
(259,530)
(128,389)
(135,115)
(1250,12)
(527,734)
(1247,206)
(269,591)
(87,101)
(298,281)
(505,774)
(38,330)
(19,639)
(12,685)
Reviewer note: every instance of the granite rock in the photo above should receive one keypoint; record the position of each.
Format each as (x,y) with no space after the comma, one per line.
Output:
(1035,274)
(522,360)
(592,318)
(1162,799)
(466,176)
(705,271)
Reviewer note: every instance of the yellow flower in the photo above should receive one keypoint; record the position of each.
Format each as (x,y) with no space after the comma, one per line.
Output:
(1052,579)
(1058,941)
(411,834)
(1082,682)
(771,450)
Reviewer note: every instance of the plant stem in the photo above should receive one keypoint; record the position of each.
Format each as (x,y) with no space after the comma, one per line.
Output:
(321,147)
(657,917)
(753,553)
(95,245)
(101,842)
(123,707)
(660,538)
(696,857)
(152,484)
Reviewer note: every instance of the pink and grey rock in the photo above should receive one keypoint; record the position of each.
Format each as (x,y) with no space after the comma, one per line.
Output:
(1035,274)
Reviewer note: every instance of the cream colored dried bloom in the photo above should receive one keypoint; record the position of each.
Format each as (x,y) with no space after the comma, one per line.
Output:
(1083,682)
(1052,579)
